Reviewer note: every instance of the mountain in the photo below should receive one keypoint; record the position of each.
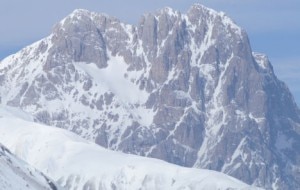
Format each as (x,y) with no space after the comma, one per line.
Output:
(184,88)
(76,163)
(15,174)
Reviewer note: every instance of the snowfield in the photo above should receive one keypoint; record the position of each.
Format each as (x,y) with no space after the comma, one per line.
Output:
(15,174)
(78,164)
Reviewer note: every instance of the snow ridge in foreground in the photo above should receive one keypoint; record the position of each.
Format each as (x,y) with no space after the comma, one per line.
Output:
(78,164)
(17,175)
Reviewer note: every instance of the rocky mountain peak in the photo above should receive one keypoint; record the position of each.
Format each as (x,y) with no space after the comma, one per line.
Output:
(185,88)
(168,11)
(201,9)
(84,16)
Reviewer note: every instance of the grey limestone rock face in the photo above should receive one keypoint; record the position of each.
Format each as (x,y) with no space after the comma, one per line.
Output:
(185,88)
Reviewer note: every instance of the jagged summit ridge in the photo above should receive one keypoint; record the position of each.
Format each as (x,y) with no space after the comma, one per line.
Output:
(185,88)
(79,14)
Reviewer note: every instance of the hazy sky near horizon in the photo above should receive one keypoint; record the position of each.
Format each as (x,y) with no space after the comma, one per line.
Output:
(273,26)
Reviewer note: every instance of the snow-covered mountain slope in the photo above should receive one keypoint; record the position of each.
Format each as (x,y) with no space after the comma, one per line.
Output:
(15,174)
(78,164)
(185,88)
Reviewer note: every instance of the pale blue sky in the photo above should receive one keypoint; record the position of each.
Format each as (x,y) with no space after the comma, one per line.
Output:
(273,26)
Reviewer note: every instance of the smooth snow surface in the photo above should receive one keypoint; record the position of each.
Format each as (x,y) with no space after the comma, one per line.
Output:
(15,174)
(78,164)
(112,78)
